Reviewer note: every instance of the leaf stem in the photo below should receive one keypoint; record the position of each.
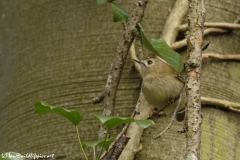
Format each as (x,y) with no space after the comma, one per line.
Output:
(94,153)
(80,143)
(103,144)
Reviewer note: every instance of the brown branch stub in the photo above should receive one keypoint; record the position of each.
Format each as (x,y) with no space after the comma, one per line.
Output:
(193,119)
(99,98)
(119,60)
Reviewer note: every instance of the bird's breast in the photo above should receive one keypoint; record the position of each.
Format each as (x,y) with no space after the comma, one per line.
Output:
(158,91)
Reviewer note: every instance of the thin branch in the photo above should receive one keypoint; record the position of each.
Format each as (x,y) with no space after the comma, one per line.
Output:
(193,118)
(183,43)
(221,57)
(214,30)
(184,27)
(119,60)
(216,27)
(179,44)
(221,103)
(174,114)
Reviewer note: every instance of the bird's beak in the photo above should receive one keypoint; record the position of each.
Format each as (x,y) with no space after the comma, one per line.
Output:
(137,61)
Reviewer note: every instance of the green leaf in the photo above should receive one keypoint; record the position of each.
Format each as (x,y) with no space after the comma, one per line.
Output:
(72,115)
(119,15)
(168,54)
(11,156)
(143,23)
(99,143)
(144,123)
(112,121)
(161,49)
(90,144)
(107,143)
(102,1)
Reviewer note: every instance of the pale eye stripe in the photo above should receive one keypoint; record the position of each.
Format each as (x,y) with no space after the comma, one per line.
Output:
(161,59)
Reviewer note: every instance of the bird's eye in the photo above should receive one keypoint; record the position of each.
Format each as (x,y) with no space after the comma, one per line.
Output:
(149,62)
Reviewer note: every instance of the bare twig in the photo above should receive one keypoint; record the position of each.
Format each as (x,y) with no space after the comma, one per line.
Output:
(214,25)
(179,44)
(183,43)
(214,30)
(174,114)
(221,103)
(221,57)
(119,60)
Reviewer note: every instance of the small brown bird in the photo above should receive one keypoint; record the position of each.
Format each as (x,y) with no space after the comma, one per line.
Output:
(161,85)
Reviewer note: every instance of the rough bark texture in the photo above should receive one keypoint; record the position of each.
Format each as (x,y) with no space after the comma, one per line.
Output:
(193,118)
(119,60)
(61,51)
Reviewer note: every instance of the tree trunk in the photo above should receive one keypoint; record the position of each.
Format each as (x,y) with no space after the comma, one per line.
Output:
(60,52)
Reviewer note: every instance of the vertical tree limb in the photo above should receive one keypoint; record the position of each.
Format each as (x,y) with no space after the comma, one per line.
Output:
(119,60)
(174,20)
(195,35)
(135,132)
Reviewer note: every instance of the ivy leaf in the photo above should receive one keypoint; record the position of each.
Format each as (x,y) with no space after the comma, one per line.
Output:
(107,143)
(90,144)
(72,115)
(102,1)
(144,123)
(143,23)
(161,49)
(102,143)
(112,121)
(119,15)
